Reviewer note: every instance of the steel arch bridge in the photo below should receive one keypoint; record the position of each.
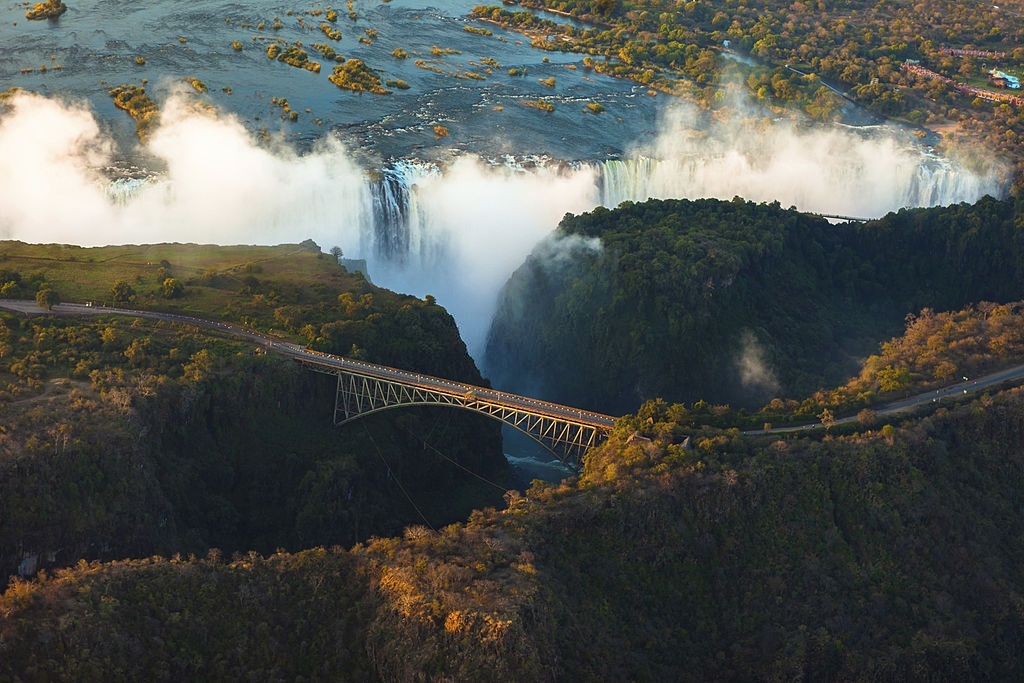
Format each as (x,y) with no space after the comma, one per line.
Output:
(366,388)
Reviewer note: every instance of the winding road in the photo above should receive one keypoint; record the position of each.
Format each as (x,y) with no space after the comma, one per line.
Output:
(964,387)
(301,353)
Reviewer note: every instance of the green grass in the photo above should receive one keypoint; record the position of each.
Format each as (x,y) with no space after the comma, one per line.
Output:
(212,275)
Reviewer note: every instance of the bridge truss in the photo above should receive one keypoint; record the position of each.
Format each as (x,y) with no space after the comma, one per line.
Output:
(568,439)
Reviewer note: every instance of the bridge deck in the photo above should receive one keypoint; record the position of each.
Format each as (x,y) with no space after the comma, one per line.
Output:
(365,388)
(329,364)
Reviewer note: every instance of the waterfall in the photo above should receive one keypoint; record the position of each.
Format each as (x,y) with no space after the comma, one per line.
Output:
(401,229)
(866,185)
(939,184)
(458,232)
(121,191)
(412,215)
(626,180)
(390,214)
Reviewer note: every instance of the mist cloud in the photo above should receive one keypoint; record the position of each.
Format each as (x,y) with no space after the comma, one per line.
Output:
(861,172)
(471,224)
(49,155)
(477,224)
(756,374)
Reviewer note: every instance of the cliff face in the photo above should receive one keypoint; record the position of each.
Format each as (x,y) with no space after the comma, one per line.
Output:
(882,555)
(124,438)
(886,554)
(247,459)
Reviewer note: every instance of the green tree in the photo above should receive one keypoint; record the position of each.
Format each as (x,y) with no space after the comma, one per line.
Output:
(199,367)
(137,350)
(47,298)
(606,8)
(893,378)
(122,292)
(172,288)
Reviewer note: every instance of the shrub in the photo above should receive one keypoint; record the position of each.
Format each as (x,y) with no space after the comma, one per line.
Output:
(51,9)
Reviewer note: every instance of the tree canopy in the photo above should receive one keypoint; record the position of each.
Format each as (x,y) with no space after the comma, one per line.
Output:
(735,301)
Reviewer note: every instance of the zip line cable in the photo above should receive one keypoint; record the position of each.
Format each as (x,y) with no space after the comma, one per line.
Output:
(459,465)
(398,481)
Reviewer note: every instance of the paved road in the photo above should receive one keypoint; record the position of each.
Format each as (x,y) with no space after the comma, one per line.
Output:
(604,422)
(964,387)
(299,352)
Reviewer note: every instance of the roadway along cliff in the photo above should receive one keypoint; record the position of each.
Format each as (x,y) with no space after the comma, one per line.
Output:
(298,352)
(967,386)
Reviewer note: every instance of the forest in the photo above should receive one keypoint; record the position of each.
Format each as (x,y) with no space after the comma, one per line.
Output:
(736,302)
(890,554)
(128,437)
(208,522)
(176,504)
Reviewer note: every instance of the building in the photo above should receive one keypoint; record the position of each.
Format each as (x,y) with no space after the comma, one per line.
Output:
(1003,80)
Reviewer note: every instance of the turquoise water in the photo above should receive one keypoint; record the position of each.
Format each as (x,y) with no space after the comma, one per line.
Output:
(95,45)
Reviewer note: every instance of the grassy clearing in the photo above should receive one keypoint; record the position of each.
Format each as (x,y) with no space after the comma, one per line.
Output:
(213,276)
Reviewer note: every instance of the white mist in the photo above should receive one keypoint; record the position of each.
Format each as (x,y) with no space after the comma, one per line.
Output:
(466,227)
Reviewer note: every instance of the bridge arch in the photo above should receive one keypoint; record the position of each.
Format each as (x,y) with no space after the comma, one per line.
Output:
(565,432)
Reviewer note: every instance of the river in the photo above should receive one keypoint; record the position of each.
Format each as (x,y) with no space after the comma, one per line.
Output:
(443,188)
(96,44)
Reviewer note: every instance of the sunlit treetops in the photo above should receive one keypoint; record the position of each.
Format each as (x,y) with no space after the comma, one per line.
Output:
(51,9)
(134,100)
(355,75)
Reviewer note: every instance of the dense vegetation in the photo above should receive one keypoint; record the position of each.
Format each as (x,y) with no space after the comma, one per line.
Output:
(681,552)
(51,9)
(293,55)
(890,555)
(125,437)
(143,110)
(733,301)
(355,75)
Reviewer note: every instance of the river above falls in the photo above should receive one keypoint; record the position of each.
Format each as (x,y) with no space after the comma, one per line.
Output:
(457,79)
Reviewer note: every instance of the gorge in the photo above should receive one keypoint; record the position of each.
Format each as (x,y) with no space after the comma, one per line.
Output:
(455,229)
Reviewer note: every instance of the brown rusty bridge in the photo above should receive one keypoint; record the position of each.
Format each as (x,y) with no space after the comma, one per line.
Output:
(366,388)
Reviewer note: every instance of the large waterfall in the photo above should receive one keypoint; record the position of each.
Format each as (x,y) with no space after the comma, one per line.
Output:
(458,232)
(846,187)
(408,225)
(401,229)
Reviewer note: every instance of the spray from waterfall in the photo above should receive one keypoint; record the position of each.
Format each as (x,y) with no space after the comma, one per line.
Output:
(456,232)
